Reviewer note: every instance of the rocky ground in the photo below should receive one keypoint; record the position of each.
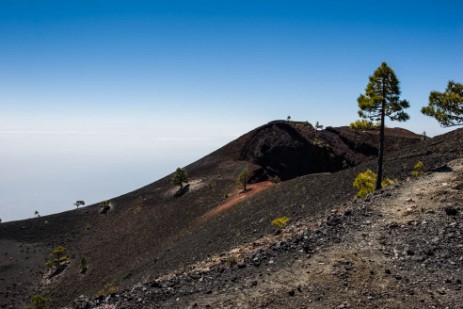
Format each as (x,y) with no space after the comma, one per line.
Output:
(399,248)
(149,234)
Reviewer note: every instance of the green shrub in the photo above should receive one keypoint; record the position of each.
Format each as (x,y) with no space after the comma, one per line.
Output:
(40,302)
(418,169)
(365,183)
(83,265)
(105,206)
(57,258)
(387,182)
(364,124)
(280,223)
(109,288)
(242,179)
(276,180)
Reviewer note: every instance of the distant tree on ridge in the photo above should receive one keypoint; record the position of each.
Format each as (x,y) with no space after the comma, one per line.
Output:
(318,126)
(79,203)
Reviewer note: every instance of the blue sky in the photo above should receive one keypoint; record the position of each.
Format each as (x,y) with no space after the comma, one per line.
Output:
(122,92)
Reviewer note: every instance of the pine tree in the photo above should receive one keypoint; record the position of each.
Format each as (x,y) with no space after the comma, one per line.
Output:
(318,126)
(180,176)
(242,179)
(79,203)
(446,107)
(381,99)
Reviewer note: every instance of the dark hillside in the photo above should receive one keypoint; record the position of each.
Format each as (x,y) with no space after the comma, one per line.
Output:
(148,232)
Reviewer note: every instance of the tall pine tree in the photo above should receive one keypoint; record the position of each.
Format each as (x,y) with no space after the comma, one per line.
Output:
(381,99)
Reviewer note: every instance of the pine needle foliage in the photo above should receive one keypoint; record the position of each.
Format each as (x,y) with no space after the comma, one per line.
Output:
(363,124)
(57,257)
(446,107)
(180,176)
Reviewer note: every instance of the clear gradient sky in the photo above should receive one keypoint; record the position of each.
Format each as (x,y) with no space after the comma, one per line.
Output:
(100,97)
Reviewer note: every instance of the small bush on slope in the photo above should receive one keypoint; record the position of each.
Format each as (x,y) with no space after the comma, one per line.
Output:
(281,222)
(39,302)
(365,183)
(418,169)
(57,258)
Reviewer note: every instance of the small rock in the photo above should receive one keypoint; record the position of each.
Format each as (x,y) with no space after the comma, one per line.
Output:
(291,292)
(451,211)
(441,291)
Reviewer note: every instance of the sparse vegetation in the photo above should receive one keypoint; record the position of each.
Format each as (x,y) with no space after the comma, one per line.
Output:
(36,214)
(365,183)
(344,164)
(418,169)
(109,288)
(276,180)
(446,107)
(83,265)
(105,207)
(280,223)
(39,302)
(180,176)
(288,118)
(79,203)
(58,258)
(381,100)
(320,143)
(232,260)
(242,179)
(318,126)
(363,124)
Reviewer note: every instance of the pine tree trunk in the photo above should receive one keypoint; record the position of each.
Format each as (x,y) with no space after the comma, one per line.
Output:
(381,144)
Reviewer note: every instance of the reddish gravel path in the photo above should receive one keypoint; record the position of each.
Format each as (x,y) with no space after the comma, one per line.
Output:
(253,189)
